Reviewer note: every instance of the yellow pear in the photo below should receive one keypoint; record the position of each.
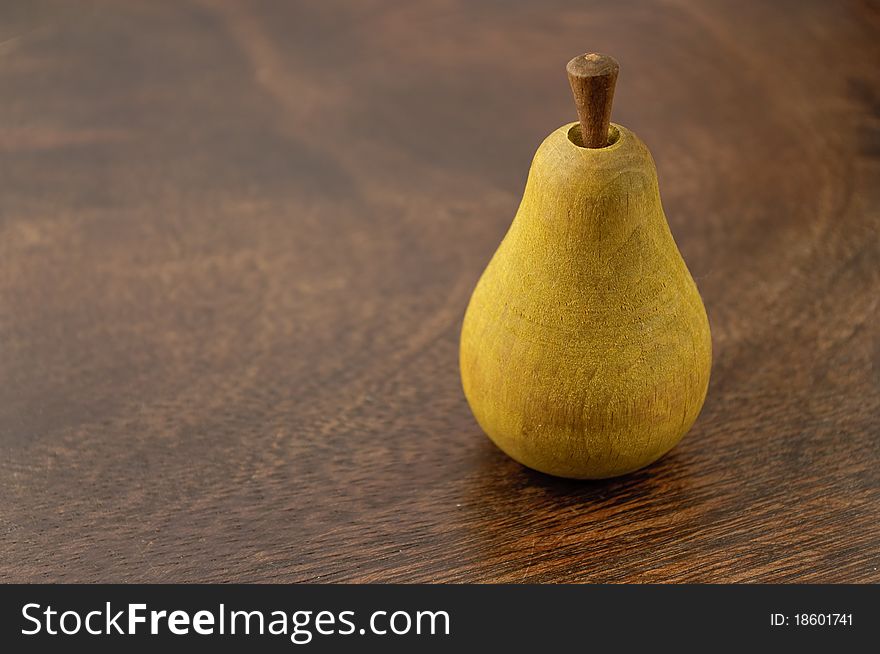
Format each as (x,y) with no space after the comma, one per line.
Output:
(585,348)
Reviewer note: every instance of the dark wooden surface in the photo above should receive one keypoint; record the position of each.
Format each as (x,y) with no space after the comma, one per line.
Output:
(237,241)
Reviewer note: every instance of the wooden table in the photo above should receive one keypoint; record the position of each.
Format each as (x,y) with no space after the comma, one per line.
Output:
(237,241)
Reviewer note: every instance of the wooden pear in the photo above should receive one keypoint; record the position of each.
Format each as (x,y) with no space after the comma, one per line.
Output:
(585,349)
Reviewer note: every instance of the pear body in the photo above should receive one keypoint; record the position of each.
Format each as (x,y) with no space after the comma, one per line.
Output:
(585,348)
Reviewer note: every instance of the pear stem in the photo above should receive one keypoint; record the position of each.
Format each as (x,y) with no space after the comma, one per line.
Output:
(592,77)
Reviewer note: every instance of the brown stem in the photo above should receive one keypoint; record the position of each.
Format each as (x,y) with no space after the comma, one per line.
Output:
(592,78)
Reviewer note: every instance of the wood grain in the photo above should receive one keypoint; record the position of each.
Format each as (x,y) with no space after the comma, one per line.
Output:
(237,241)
